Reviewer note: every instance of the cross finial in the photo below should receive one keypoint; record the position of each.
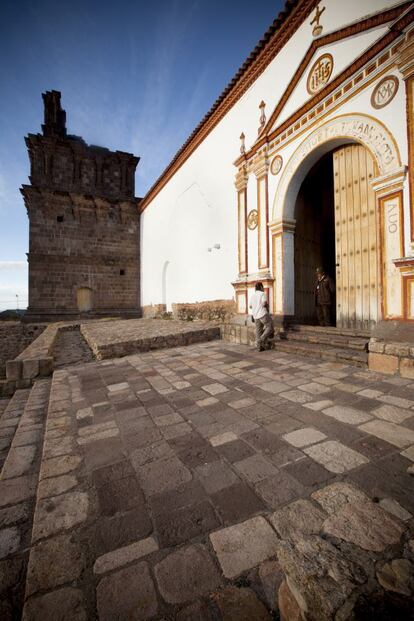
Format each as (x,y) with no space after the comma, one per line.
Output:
(317,28)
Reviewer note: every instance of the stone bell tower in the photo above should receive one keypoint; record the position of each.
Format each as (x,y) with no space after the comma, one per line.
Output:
(83,225)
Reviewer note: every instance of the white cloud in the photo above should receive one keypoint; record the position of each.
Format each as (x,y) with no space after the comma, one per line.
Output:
(7,265)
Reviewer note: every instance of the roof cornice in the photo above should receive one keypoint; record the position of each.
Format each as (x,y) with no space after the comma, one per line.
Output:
(282,29)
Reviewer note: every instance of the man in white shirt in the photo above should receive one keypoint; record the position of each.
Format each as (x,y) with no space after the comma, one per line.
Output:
(261,317)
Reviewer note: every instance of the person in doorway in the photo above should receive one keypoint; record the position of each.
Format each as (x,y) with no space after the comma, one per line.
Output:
(324,294)
(261,317)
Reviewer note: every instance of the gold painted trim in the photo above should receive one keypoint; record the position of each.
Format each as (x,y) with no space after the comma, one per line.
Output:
(262,181)
(408,282)
(329,112)
(409,94)
(381,201)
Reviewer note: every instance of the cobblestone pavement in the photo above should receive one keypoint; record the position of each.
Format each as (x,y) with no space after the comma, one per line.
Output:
(70,348)
(185,483)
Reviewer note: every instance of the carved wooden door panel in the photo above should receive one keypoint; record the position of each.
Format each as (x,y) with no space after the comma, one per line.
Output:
(356,240)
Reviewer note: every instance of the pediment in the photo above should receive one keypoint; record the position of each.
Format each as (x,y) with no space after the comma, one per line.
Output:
(325,60)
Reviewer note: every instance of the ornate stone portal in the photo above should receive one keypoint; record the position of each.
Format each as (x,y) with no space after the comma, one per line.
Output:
(386,180)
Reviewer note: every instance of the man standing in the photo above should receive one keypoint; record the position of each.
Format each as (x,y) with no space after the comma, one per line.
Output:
(324,292)
(261,317)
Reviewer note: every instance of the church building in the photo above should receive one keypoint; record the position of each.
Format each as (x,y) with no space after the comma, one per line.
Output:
(305,160)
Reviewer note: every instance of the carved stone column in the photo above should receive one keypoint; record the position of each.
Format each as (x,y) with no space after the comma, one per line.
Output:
(283,260)
(241,187)
(260,169)
(406,67)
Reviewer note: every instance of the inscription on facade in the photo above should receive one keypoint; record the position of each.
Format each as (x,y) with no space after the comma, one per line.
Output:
(358,128)
(320,73)
(392,249)
(392,217)
(384,92)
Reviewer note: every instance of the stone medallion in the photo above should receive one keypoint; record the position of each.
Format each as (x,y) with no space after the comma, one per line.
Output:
(252,219)
(276,165)
(319,74)
(384,92)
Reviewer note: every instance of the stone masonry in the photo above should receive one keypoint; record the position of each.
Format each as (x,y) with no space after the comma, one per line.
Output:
(214,482)
(84,224)
(14,338)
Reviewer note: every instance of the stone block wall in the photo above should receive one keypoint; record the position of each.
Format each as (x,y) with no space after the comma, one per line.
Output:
(14,338)
(215,310)
(84,224)
(81,242)
(391,358)
(154,311)
(63,162)
(237,333)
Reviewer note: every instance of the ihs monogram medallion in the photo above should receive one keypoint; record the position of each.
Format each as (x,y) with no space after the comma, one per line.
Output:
(252,219)
(320,73)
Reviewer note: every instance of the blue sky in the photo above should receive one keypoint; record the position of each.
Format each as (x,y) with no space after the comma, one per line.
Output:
(135,76)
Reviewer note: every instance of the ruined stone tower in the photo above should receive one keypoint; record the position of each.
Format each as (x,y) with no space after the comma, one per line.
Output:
(83,225)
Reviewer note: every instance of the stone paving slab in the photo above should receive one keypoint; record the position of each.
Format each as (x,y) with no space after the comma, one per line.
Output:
(163,473)
(17,497)
(124,337)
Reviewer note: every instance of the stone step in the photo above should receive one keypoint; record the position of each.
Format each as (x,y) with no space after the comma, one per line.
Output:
(331,330)
(334,339)
(325,352)
(9,421)
(3,405)
(18,485)
(28,434)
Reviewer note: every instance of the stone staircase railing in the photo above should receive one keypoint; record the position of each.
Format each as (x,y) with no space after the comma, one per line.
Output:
(34,362)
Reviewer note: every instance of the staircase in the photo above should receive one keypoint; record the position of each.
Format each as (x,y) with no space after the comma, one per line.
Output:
(336,344)
(11,412)
(22,423)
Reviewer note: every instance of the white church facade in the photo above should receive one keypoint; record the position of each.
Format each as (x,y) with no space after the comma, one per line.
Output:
(305,160)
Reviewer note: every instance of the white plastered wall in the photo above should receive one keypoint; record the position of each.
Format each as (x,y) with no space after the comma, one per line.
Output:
(197,208)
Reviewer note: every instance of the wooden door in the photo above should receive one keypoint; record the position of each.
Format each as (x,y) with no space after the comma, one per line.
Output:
(356,238)
(84,299)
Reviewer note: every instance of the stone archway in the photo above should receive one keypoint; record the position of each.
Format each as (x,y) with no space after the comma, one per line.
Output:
(340,131)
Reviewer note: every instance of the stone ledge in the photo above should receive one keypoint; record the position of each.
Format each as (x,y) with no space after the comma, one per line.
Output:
(137,344)
(237,333)
(214,310)
(34,362)
(391,358)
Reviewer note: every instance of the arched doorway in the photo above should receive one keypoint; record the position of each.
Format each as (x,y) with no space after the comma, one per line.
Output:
(336,227)
(381,151)
(314,236)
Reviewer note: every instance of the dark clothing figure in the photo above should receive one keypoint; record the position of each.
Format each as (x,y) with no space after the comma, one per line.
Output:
(324,293)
